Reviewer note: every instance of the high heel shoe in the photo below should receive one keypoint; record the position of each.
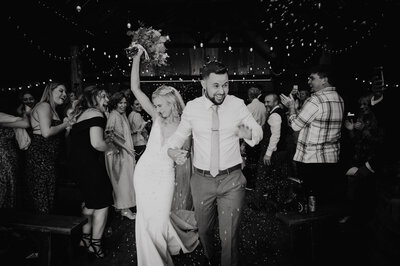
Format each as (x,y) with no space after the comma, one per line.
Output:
(85,240)
(96,248)
(128,214)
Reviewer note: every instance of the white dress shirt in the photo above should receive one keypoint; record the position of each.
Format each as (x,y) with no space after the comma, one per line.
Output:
(258,110)
(196,120)
(274,122)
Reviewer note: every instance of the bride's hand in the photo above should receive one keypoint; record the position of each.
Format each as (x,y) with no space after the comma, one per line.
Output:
(140,51)
(181,160)
(179,156)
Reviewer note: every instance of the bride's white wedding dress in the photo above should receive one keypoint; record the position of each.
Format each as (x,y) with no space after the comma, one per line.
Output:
(154,180)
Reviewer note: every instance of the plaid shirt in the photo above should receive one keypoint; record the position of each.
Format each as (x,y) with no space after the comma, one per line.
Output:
(319,122)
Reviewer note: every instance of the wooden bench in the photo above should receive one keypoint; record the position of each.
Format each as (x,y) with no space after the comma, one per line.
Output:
(322,213)
(46,225)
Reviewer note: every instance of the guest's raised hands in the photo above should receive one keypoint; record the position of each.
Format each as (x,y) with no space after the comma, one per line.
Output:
(295,91)
(287,101)
(349,124)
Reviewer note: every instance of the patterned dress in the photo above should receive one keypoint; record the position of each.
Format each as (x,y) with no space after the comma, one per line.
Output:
(8,168)
(41,170)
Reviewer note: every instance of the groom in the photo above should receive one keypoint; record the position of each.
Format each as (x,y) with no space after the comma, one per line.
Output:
(217,121)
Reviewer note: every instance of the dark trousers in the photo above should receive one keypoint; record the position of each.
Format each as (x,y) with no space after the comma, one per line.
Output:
(219,197)
(324,180)
(251,164)
(363,197)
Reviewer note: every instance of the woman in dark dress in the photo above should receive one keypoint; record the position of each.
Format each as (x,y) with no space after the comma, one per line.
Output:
(42,154)
(88,165)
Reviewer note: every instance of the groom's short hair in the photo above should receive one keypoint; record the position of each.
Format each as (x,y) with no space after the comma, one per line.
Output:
(213,67)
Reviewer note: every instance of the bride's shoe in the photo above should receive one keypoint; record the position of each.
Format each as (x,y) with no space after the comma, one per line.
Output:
(128,214)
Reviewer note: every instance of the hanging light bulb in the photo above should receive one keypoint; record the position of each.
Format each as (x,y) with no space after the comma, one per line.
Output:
(78,8)
(128,25)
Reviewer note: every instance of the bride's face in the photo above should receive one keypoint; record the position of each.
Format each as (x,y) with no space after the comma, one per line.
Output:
(163,108)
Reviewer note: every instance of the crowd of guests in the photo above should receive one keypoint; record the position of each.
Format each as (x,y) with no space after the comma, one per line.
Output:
(314,140)
(309,136)
(87,135)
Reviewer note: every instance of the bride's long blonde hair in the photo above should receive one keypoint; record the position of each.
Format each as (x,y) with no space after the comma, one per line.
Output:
(172,97)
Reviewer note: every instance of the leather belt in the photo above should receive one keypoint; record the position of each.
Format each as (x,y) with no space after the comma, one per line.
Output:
(221,172)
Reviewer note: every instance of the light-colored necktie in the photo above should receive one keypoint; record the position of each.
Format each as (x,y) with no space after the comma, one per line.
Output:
(214,164)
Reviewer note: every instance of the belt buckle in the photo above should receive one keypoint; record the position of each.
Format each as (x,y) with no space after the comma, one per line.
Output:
(201,171)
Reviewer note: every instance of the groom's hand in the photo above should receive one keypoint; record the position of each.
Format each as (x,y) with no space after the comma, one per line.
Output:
(179,156)
(243,132)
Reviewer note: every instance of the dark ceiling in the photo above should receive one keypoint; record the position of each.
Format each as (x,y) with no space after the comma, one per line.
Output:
(36,28)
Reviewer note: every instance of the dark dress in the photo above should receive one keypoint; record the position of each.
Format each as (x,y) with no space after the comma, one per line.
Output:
(41,170)
(8,168)
(88,165)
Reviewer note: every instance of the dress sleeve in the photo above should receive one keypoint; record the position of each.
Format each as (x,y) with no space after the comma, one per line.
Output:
(97,122)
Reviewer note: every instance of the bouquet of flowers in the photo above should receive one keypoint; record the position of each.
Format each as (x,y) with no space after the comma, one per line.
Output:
(153,43)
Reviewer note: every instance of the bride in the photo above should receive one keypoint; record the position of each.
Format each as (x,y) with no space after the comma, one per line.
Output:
(157,238)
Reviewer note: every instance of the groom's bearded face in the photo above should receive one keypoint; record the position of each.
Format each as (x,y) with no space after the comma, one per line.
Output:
(216,87)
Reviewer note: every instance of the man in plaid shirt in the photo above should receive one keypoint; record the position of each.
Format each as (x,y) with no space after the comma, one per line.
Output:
(318,145)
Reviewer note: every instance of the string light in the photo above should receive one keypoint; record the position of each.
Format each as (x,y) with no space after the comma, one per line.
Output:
(50,54)
(285,15)
(59,14)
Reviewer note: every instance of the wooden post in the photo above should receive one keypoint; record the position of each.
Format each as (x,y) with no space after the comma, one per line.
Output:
(76,70)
